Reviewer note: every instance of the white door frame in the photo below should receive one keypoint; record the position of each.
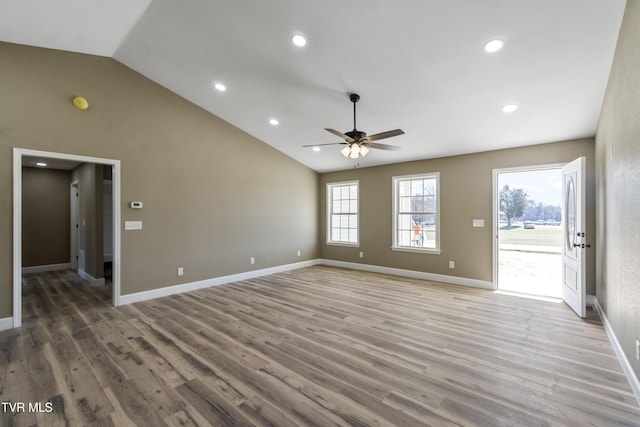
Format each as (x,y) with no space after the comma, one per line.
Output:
(18,153)
(496,195)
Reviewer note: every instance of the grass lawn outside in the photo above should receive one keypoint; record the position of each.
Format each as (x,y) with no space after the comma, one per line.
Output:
(542,235)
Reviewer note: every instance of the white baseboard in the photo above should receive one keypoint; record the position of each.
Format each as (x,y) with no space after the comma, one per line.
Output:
(192,286)
(92,280)
(6,323)
(475,283)
(44,268)
(634,383)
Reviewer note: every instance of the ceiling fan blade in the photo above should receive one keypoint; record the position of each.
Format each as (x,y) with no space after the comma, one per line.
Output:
(331,143)
(387,134)
(340,134)
(382,146)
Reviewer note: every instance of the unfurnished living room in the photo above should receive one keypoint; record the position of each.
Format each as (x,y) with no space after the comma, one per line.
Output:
(289,213)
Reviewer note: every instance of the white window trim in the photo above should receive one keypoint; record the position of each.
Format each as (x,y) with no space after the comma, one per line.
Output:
(328,230)
(395,246)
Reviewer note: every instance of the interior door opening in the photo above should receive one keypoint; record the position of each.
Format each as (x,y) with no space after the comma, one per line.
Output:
(529,231)
(109,235)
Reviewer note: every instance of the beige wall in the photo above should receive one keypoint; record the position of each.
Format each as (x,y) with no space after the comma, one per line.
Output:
(618,183)
(45,216)
(466,193)
(213,195)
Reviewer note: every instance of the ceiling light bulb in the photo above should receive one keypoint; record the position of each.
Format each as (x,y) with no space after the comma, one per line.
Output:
(345,151)
(274,122)
(220,87)
(509,108)
(363,151)
(299,40)
(493,46)
(355,148)
(354,155)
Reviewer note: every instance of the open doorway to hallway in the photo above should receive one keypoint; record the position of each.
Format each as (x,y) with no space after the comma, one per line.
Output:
(529,231)
(89,219)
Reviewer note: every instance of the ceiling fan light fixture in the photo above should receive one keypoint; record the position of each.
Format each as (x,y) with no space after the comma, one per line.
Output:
(346,151)
(363,150)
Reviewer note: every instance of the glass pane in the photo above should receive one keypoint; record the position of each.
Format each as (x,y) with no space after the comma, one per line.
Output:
(353,206)
(405,204)
(404,188)
(344,192)
(416,187)
(344,234)
(404,238)
(344,206)
(335,193)
(353,221)
(571,215)
(353,235)
(336,207)
(335,234)
(429,220)
(404,222)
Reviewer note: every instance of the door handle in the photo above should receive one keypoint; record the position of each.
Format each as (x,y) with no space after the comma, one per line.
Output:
(581,245)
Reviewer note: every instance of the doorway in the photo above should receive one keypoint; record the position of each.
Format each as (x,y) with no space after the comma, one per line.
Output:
(18,155)
(528,223)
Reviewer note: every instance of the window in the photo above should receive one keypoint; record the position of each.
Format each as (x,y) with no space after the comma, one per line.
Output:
(416,213)
(342,215)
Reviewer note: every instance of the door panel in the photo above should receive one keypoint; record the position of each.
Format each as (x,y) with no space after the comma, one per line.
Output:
(573,223)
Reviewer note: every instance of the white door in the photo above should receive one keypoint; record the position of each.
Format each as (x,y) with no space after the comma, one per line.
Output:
(573,223)
(75,233)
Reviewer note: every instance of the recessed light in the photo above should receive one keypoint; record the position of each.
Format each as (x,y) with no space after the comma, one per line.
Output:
(41,164)
(274,122)
(299,40)
(493,46)
(509,108)
(316,149)
(220,87)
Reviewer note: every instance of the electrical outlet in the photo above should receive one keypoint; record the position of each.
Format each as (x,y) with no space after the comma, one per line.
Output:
(252,260)
(180,271)
(638,350)
(361,254)
(452,264)
(298,253)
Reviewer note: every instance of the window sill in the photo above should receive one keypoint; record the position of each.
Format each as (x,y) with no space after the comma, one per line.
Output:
(351,245)
(416,250)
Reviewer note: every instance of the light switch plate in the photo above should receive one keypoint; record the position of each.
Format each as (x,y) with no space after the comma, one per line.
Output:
(133,225)
(478,222)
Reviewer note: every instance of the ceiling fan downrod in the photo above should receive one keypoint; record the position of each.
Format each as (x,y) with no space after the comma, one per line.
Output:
(354,97)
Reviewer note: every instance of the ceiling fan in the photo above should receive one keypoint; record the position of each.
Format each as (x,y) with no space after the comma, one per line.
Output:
(357,142)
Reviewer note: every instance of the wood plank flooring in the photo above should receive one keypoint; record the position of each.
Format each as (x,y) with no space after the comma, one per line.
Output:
(318,346)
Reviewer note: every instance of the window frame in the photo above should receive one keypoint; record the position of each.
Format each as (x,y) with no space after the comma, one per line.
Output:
(330,187)
(396,200)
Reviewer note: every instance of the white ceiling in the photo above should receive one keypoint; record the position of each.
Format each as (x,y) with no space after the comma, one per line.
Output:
(418,65)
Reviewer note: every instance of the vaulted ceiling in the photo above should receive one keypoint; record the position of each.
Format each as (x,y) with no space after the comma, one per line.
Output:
(418,65)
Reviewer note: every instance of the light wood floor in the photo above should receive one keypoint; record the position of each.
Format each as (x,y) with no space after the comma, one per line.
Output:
(316,346)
